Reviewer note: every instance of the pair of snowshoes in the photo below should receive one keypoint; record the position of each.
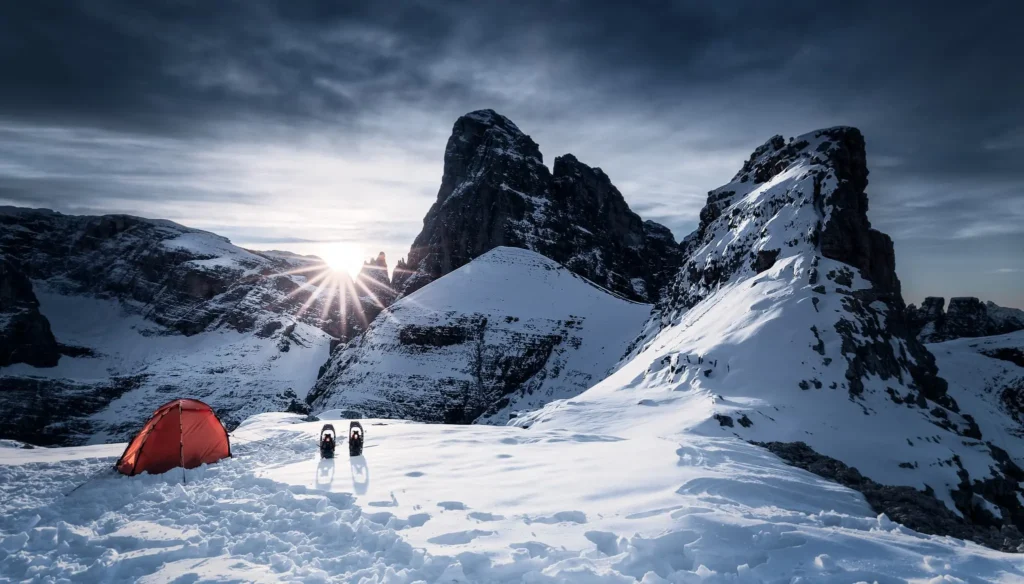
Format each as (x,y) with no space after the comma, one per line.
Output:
(329,439)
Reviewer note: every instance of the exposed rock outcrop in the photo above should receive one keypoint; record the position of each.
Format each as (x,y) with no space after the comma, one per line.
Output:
(374,287)
(965,317)
(496,191)
(25,335)
(918,510)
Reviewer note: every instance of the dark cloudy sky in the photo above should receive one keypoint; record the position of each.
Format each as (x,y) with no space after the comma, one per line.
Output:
(293,123)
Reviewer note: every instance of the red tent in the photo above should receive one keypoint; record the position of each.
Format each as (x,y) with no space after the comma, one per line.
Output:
(183,432)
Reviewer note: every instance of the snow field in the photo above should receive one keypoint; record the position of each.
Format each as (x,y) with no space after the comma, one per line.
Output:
(434,503)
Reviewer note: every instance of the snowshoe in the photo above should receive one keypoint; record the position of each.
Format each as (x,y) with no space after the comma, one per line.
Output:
(355,439)
(328,439)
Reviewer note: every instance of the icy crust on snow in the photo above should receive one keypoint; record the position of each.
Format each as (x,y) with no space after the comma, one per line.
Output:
(132,369)
(434,503)
(765,339)
(509,331)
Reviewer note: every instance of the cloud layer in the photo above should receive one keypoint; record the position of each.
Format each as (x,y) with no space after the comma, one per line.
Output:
(296,122)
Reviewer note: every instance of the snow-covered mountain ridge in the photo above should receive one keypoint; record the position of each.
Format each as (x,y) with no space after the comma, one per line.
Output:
(786,325)
(104,318)
(509,331)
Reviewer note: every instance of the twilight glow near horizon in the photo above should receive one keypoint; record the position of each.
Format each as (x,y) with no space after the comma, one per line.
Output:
(313,126)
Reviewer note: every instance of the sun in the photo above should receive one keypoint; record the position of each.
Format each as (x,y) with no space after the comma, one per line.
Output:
(343,257)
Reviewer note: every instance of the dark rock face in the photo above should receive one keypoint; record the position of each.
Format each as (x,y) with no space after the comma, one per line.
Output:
(496,191)
(921,510)
(499,360)
(965,317)
(25,335)
(54,412)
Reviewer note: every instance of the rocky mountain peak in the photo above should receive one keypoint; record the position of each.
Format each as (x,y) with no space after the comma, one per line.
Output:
(496,191)
(804,199)
(965,317)
(25,335)
(373,278)
(840,147)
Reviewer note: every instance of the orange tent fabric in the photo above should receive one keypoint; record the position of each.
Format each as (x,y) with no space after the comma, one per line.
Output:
(183,432)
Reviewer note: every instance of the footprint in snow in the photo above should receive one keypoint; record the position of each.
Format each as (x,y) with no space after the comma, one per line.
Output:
(414,474)
(560,517)
(459,537)
(504,456)
(481,516)
(452,505)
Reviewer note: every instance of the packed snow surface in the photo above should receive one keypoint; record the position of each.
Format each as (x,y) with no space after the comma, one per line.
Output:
(436,503)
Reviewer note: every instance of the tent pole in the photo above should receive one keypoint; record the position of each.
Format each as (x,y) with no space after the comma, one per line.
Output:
(181,445)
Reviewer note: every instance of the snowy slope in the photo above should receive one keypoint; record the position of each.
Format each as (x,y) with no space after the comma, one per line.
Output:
(986,376)
(509,331)
(435,503)
(126,313)
(768,339)
(134,366)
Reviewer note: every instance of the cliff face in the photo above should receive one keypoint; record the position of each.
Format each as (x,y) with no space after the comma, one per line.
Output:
(496,191)
(25,335)
(966,317)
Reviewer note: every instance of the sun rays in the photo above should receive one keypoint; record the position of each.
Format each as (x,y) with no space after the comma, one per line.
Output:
(338,295)
(343,257)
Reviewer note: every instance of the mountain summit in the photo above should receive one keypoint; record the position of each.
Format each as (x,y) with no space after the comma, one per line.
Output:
(496,191)
(786,327)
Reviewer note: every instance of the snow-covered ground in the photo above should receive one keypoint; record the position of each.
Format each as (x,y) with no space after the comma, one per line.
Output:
(436,503)
(987,385)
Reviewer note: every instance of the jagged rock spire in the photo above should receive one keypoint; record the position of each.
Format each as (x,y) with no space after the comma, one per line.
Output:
(496,191)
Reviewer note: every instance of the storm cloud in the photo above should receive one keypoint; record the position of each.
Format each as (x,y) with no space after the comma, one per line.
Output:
(286,124)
